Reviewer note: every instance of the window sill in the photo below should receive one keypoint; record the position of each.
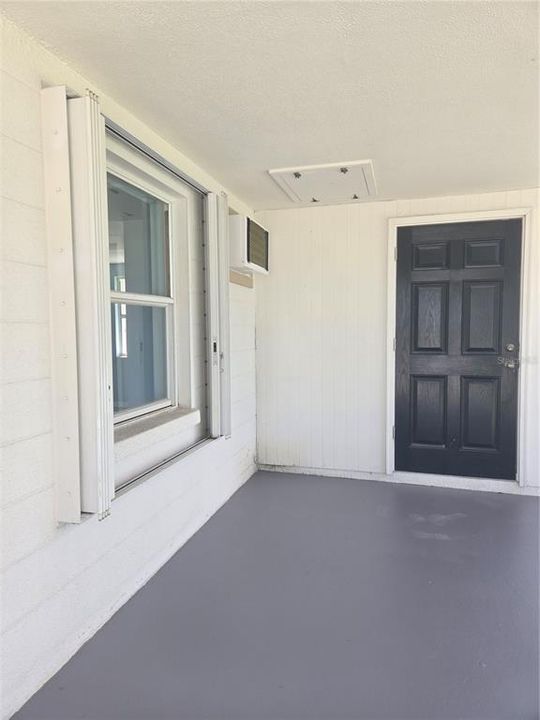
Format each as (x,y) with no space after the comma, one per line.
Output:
(132,436)
(174,460)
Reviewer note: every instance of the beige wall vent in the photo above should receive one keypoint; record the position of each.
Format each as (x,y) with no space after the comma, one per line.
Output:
(330,184)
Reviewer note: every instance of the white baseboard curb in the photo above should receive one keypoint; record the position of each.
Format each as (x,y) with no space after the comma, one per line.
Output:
(404,478)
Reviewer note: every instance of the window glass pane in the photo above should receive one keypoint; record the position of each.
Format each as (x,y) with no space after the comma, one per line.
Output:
(138,240)
(139,345)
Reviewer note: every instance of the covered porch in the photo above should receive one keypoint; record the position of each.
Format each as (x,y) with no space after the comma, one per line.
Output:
(325,598)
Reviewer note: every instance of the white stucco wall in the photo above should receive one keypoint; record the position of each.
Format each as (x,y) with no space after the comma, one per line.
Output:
(60,584)
(322,336)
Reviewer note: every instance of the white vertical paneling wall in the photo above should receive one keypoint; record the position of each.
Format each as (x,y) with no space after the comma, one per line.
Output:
(61,583)
(322,333)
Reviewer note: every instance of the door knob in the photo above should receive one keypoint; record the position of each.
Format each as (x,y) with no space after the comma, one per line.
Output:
(510,347)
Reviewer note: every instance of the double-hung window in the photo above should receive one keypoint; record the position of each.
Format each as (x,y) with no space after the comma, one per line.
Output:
(142,300)
(159,337)
(148,304)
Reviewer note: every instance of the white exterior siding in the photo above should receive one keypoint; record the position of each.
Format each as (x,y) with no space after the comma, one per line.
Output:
(60,584)
(322,333)
(321,375)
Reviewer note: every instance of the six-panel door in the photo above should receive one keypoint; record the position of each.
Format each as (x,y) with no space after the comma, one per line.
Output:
(457,348)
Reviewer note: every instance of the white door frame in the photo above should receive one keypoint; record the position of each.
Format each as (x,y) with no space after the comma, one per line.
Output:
(393,225)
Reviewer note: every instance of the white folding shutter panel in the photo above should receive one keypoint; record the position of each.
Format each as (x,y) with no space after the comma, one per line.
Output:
(224,323)
(90,232)
(212,310)
(62,304)
(217,260)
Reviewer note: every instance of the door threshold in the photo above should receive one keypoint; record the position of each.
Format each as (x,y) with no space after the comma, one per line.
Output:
(458,481)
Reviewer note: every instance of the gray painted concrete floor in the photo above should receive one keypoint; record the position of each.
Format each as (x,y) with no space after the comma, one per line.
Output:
(310,598)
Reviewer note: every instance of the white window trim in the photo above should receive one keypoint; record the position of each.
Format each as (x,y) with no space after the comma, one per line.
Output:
(85,476)
(133,168)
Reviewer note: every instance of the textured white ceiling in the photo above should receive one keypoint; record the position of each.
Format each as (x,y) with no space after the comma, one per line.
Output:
(442,96)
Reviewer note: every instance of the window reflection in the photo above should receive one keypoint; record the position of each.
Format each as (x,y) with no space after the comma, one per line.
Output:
(140,357)
(138,240)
